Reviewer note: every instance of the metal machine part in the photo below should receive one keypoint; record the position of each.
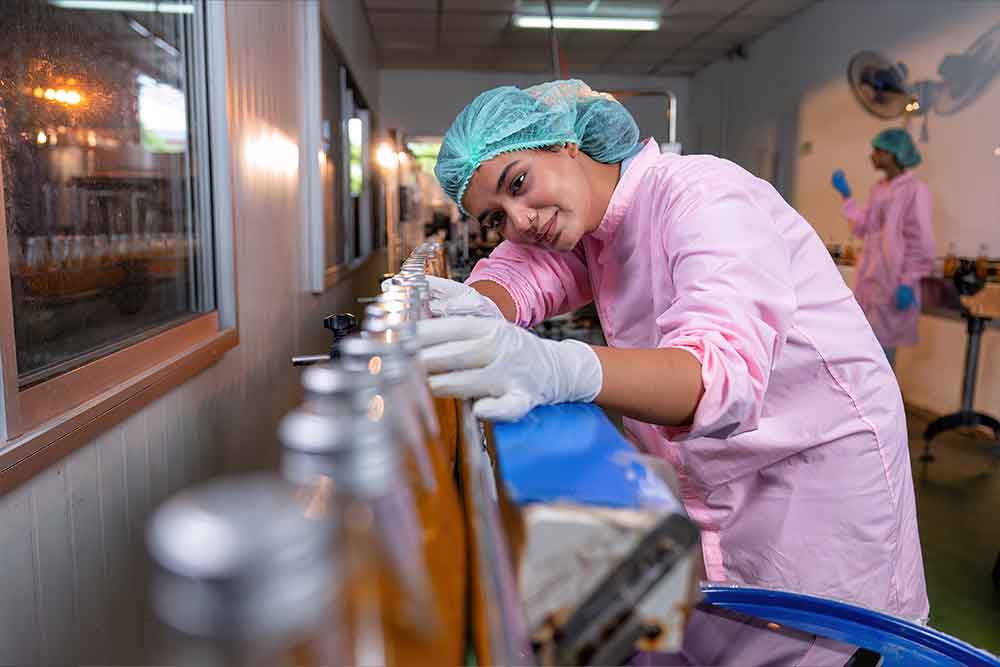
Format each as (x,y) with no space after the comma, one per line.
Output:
(341,325)
(606,627)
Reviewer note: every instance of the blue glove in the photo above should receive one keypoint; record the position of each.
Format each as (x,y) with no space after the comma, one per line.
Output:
(904,297)
(840,183)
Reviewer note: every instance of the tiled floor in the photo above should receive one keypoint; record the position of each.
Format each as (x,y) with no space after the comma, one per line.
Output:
(958,508)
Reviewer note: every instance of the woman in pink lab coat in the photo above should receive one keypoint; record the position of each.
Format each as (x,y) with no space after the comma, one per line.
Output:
(898,238)
(736,351)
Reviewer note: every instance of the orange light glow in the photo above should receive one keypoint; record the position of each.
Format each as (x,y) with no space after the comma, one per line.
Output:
(71,97)
(386,157)
(273,152)
(41,138)
(376,408)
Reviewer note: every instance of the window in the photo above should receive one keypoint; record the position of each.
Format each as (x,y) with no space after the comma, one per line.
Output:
(357,198)
(106,174)
(332,149)
(339,192)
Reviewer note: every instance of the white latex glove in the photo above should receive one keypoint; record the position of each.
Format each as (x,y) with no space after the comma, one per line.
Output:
(451,298)
(508,369)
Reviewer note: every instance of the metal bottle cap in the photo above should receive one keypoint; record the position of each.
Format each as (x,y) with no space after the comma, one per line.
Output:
(400,303)
(239,558)
(393,308)
(418,283)
(357,451)
(336,381)
(383,358)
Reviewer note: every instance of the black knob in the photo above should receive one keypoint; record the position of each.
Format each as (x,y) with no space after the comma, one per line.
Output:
(341,324)
(966,281)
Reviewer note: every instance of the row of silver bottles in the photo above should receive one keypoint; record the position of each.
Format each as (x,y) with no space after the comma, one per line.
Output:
(320,564)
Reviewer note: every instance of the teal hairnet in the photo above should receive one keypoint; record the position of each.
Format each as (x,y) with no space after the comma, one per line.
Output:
(508,119)
(900,144)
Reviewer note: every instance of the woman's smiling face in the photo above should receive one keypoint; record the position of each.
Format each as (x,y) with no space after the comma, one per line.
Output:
(534,197)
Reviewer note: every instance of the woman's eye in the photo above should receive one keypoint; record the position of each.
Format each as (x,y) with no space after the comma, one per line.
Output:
(517,184)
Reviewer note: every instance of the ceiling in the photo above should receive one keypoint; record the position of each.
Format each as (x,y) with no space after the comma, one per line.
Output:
(480,34)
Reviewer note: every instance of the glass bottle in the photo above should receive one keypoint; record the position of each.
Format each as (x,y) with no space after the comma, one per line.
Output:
(950,261)
(406,392)
(340,446)
(983,263)
(244,576)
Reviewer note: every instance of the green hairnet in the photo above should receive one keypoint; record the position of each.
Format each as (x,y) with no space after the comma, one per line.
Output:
(508,119)
(900,144)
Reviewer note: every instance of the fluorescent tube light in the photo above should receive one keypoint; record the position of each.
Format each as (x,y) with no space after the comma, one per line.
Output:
(125,6)
(586,23)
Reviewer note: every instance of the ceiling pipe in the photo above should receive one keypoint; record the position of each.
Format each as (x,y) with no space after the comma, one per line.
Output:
(553,40)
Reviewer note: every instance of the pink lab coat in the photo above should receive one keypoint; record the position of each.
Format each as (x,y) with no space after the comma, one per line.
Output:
(796,465)
(899,250)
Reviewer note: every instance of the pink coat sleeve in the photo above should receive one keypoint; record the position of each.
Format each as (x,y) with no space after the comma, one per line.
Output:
(918,239)
(734,306)
(542,283)
(857,216)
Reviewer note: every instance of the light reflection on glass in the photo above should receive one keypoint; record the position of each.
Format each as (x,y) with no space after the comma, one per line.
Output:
(376,408)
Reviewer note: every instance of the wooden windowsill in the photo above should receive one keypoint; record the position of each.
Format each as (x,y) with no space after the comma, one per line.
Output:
(30,453)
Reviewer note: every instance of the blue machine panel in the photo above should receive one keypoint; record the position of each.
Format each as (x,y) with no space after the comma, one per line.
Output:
(572,452)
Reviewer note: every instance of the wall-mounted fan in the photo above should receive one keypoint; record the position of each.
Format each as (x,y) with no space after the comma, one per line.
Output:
(879,84)
(882,87)
(965,76)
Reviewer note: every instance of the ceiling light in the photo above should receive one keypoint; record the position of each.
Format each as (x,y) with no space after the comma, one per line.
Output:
(586,23)
(125,6)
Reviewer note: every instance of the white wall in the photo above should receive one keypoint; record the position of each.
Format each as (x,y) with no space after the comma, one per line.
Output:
(792,93)
(72,570)
(426,102)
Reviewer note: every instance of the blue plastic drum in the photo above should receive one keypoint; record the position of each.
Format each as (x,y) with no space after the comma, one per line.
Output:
(899,642)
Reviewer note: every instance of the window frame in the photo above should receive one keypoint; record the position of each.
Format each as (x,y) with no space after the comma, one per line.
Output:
(41,423)
(320,276)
